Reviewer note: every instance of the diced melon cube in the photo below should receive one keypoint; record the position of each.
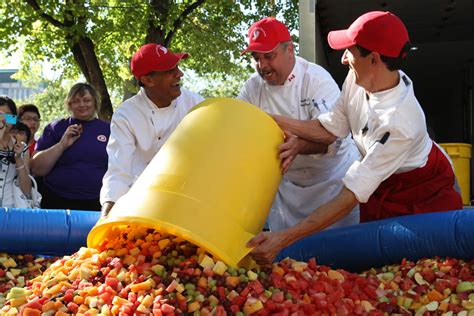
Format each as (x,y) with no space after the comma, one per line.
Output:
(335,275)
(299,266)
(134,251)
(207,262)
(9,263)
(15,302)
(142,309)
(252,275)
(219,268)
(253,308)
(128,260)
(158,269)
(163,243)
(194,306)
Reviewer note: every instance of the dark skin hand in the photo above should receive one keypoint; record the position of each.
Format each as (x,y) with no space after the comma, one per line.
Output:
(106,209)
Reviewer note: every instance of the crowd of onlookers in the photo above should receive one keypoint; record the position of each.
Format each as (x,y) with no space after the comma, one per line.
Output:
(65,164)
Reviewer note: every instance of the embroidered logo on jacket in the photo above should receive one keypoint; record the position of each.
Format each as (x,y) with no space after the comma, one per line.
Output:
(305,102)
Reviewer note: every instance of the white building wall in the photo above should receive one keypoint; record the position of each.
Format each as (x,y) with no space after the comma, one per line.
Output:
(16,91)
(310,37)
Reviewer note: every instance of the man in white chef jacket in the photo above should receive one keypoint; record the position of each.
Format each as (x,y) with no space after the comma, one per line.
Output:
(291,86)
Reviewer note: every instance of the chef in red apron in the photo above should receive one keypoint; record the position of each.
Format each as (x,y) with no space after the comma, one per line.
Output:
(402,171)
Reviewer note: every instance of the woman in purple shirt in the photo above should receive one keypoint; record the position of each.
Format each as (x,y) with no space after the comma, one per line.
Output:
(71,154)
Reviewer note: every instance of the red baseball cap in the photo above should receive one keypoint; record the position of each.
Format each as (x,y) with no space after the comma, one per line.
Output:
(154,57)
(377,31)
(265,35)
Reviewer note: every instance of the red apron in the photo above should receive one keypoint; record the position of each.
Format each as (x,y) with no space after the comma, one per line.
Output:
(422,190)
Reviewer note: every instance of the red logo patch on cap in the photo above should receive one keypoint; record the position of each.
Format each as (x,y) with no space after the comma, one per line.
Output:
(257,32)
(154,57)
(265,35)
(163,50)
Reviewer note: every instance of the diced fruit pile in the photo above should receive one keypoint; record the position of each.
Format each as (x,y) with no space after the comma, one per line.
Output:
(429,287)
(17,270)
(137,271)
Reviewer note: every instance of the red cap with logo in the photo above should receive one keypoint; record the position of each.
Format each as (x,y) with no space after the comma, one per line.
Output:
(265,35)
(154,57)
(377,31)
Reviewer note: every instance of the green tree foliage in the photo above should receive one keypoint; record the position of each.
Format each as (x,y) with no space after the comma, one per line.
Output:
(218,86)
(96,38)
(51,102)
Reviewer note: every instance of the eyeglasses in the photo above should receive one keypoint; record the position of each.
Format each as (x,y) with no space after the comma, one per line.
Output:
(30,119)
(270,56)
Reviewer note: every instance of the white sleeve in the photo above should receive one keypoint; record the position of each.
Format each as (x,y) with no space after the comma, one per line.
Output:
(120,149)
(381,161)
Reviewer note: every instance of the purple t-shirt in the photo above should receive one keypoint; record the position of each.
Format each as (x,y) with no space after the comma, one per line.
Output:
(79,171)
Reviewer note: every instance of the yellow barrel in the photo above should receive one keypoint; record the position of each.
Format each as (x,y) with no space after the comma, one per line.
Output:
(460,154)
(212,183)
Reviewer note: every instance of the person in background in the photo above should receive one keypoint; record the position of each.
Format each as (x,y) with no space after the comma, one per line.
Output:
(14,157)
(71,154)
(21,132)
(29,114)
(402,171)
(142,124)
(291,86)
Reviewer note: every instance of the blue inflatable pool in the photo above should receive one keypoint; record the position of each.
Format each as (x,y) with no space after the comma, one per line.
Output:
(355,248)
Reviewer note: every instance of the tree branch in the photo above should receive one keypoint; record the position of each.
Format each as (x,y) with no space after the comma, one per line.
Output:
(45,16)
(81,19)
(179,21)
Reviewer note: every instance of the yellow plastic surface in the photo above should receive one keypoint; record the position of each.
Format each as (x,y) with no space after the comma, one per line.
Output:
(212,183)
(460,154)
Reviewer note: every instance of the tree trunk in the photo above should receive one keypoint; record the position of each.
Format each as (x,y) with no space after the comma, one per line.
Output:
(160,12)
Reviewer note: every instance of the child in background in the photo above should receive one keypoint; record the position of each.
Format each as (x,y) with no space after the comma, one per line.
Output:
(29,115)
